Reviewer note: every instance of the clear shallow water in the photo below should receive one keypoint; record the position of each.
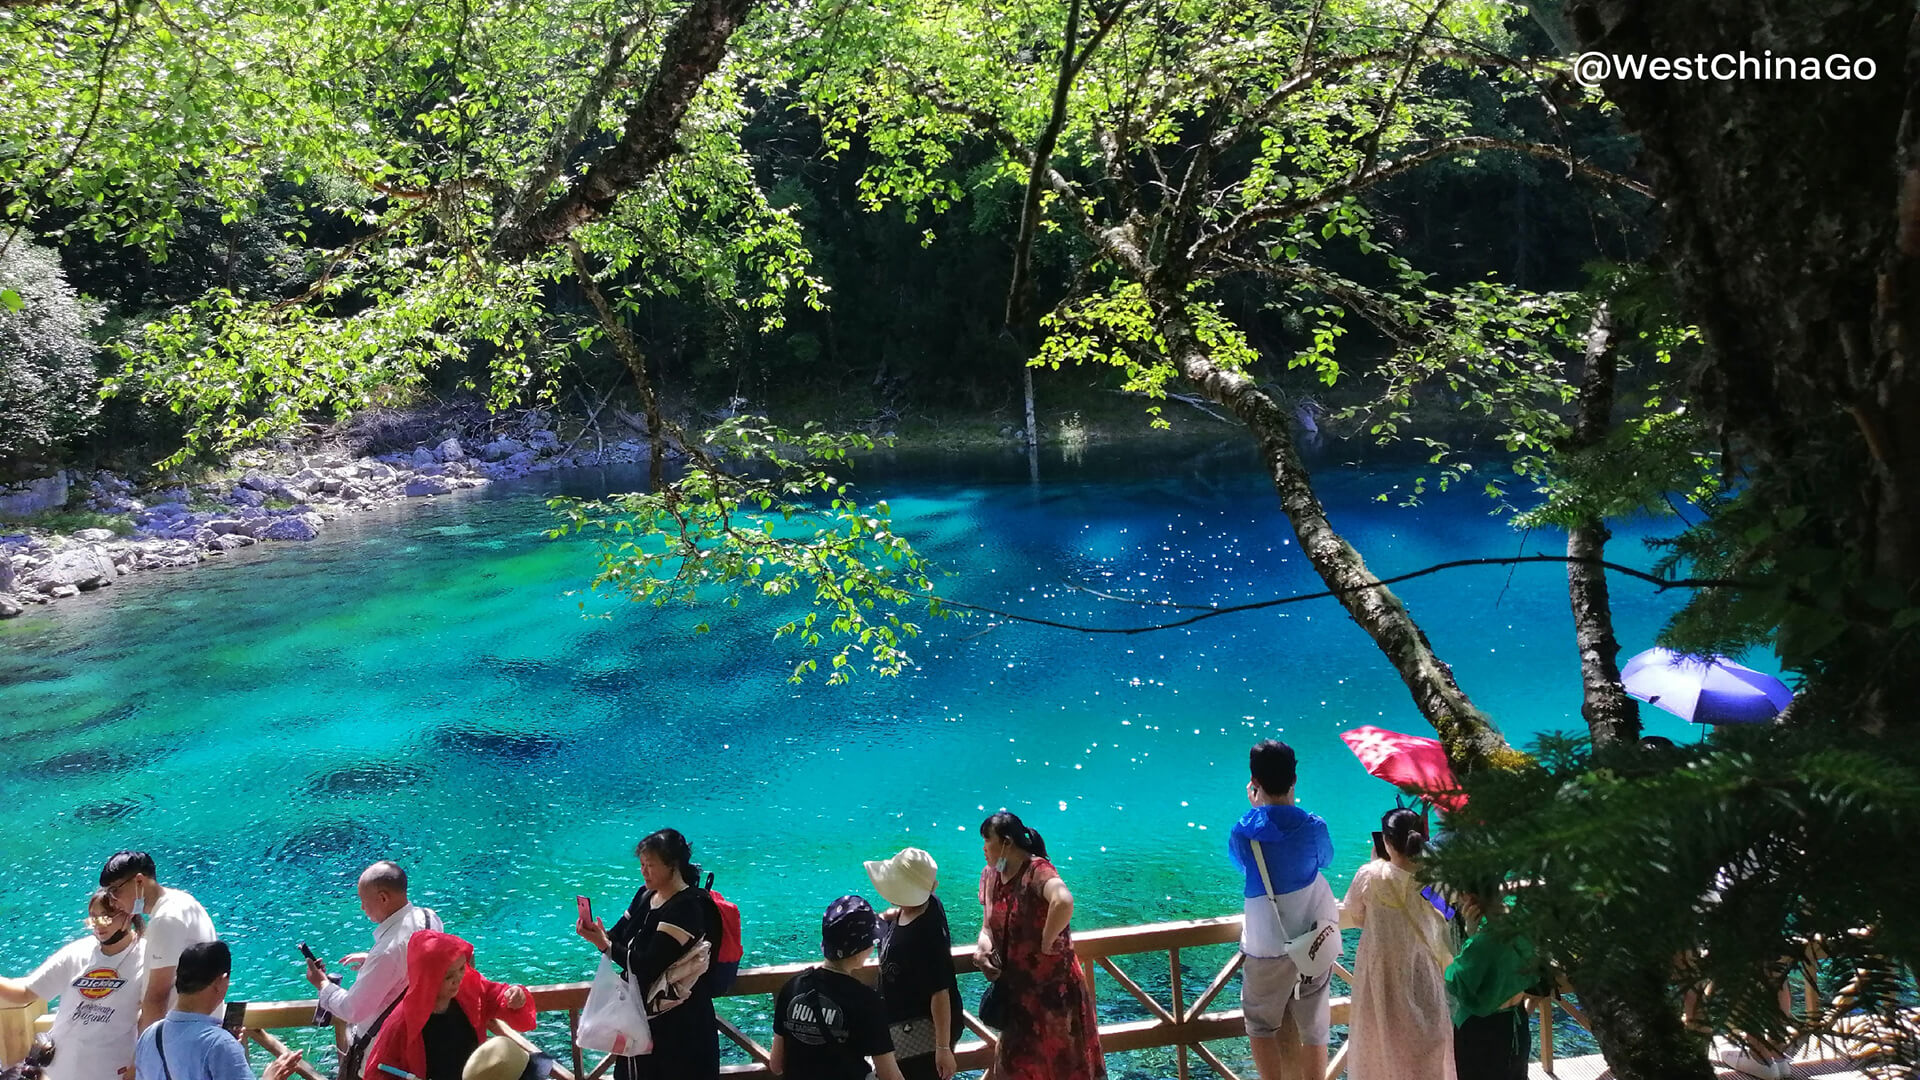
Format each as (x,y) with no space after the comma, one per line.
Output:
(420,685)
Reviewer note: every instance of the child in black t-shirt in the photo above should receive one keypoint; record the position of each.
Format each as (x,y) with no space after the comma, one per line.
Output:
(826,1022)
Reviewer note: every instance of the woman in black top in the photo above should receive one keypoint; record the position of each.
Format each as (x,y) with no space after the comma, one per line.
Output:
(916,966)
(667,917)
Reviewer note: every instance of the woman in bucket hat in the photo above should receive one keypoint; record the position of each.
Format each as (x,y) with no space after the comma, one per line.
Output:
(916,966)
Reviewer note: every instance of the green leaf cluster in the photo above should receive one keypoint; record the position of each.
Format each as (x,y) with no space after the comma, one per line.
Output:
(764,512)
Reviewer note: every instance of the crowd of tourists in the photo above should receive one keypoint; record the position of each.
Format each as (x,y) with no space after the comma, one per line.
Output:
(1434,996)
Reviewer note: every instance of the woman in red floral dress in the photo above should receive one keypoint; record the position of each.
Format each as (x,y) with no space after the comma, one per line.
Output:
(1051,1032)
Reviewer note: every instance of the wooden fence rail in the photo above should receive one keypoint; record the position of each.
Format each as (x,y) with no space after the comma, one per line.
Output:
(1172,1021)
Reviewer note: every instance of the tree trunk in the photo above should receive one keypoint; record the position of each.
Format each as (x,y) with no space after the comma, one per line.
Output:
(1640,1032)
(693,50)
(1612,716)
(629,352)
(1471,740)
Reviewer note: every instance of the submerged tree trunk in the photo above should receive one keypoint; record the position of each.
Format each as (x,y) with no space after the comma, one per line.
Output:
(1471,740)
(1033,428)
(1612,717)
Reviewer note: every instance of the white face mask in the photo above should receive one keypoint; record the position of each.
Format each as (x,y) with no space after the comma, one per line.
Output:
(140,905)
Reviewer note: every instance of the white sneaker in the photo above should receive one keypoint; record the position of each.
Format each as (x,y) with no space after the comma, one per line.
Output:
(1742,1060)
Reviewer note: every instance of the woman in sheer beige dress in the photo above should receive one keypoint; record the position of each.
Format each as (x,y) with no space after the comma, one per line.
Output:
(1399,1026)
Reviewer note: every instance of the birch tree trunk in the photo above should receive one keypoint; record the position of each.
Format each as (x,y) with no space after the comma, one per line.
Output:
(1612,717)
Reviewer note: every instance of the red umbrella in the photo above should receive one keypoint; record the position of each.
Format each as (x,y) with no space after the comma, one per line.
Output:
(1411,761)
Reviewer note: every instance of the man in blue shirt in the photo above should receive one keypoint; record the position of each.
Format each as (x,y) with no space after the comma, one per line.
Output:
(1286,1016)
(190,1044)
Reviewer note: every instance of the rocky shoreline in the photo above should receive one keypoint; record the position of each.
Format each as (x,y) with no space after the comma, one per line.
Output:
(280,496)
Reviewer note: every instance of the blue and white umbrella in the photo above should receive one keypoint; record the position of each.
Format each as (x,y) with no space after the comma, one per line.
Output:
(1704,689)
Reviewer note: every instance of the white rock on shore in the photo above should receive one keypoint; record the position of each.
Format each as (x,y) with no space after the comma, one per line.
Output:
(81,568)
(284,497)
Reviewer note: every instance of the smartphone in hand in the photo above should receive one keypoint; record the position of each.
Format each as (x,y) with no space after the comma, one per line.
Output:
(321,1017)
(236,1019)
(586,910)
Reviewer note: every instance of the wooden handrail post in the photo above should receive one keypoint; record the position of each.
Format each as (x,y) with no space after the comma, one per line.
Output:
(573,1042)
(16,1029)
(1546,1034)
(1179,1003)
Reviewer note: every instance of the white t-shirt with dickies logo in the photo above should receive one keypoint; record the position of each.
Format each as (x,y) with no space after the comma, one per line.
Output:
(99,1008)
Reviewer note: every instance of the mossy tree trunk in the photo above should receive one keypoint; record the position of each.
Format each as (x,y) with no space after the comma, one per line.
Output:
(1470,737)
(1612,717)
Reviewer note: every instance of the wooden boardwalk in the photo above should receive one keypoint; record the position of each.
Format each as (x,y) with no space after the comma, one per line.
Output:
(1816,1064)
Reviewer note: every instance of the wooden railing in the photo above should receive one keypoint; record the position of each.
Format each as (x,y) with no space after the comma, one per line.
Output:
(1172,1020)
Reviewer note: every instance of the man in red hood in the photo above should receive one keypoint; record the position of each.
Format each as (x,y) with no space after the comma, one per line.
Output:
(446,1011)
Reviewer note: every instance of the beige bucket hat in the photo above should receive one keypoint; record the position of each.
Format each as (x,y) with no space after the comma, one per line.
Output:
(906,880)
(500,1058)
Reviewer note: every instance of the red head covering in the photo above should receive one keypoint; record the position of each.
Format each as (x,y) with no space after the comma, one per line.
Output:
(429,955)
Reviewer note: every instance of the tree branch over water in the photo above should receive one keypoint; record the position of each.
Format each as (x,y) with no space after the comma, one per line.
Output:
(1660,584)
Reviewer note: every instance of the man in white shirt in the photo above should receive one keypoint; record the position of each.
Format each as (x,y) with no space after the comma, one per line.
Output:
(383,968)
(175,920)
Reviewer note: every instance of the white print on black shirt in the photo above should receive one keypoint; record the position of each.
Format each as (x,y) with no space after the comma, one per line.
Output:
(816,1020)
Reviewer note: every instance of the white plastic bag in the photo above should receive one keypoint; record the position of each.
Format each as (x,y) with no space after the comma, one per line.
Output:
(612,1021)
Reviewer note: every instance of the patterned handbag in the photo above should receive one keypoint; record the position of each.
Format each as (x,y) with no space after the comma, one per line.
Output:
(912,1038)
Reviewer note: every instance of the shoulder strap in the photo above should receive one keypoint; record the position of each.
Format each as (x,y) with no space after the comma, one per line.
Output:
(160,1044)
(1266,882)
(357,1053)
(1260,860)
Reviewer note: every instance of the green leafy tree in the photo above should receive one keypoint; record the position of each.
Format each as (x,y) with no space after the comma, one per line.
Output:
(49,377)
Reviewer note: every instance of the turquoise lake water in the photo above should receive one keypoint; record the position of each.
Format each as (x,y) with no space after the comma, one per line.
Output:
(420,685)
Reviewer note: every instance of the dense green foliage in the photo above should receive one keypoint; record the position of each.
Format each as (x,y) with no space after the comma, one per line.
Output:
(1737,864)
(48,376)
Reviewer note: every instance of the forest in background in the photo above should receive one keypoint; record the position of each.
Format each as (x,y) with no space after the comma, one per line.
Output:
(908,337)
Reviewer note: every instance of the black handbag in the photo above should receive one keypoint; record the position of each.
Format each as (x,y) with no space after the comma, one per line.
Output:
(993,1003)
(993,1007)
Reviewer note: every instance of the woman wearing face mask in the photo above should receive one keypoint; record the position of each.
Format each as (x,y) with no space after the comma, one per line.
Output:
(446,1012)
(1024,947)
(1399,1023)
(98,979)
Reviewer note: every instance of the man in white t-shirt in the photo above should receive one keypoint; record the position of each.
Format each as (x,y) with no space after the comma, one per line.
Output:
(175,920)
(98,980)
